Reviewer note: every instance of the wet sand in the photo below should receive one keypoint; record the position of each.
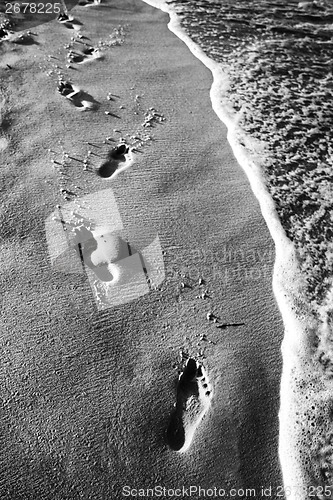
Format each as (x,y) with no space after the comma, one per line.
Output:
(87,393)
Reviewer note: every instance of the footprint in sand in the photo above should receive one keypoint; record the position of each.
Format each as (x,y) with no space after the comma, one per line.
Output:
(118,160)
(21,38)
(68,21)
(76,96)
(88,54)
(86,3)
(194,396)
(24,39)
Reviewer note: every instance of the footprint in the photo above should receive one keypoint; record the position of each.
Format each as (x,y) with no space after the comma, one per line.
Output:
(23,39)
(65,88)
(63,18)
(75,57)
(194,395)
(68,21)
(86,3)
(76,96)
(116,157)
(88,54)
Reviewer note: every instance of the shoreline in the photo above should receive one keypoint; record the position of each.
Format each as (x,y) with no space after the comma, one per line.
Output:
(300,373)
(121,362)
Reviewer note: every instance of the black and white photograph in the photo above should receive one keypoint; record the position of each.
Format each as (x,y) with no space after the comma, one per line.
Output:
(166,249)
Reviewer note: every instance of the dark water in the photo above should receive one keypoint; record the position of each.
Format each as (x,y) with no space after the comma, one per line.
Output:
(278,57)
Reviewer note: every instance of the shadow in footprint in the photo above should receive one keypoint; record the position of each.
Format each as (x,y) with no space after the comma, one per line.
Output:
(86,3)
(72,24)
(24,39)
(88,54)
(84,100)
(193,400)
(76,58)
(65,88)
(116,157)
(88,51)
(79,98)
(68,21)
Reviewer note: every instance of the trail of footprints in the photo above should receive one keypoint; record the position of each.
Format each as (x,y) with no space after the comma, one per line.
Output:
(107,158)
(104,161)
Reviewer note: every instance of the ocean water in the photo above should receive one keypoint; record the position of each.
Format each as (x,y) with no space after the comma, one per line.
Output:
(273,87)
(277,56)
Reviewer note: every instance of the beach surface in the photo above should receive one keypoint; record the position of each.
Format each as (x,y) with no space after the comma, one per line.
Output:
(89,386)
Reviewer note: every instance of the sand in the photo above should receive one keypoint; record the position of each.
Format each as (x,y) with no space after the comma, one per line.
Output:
(88,389)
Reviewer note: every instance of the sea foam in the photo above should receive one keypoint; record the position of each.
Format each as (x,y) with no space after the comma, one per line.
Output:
(306,403)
